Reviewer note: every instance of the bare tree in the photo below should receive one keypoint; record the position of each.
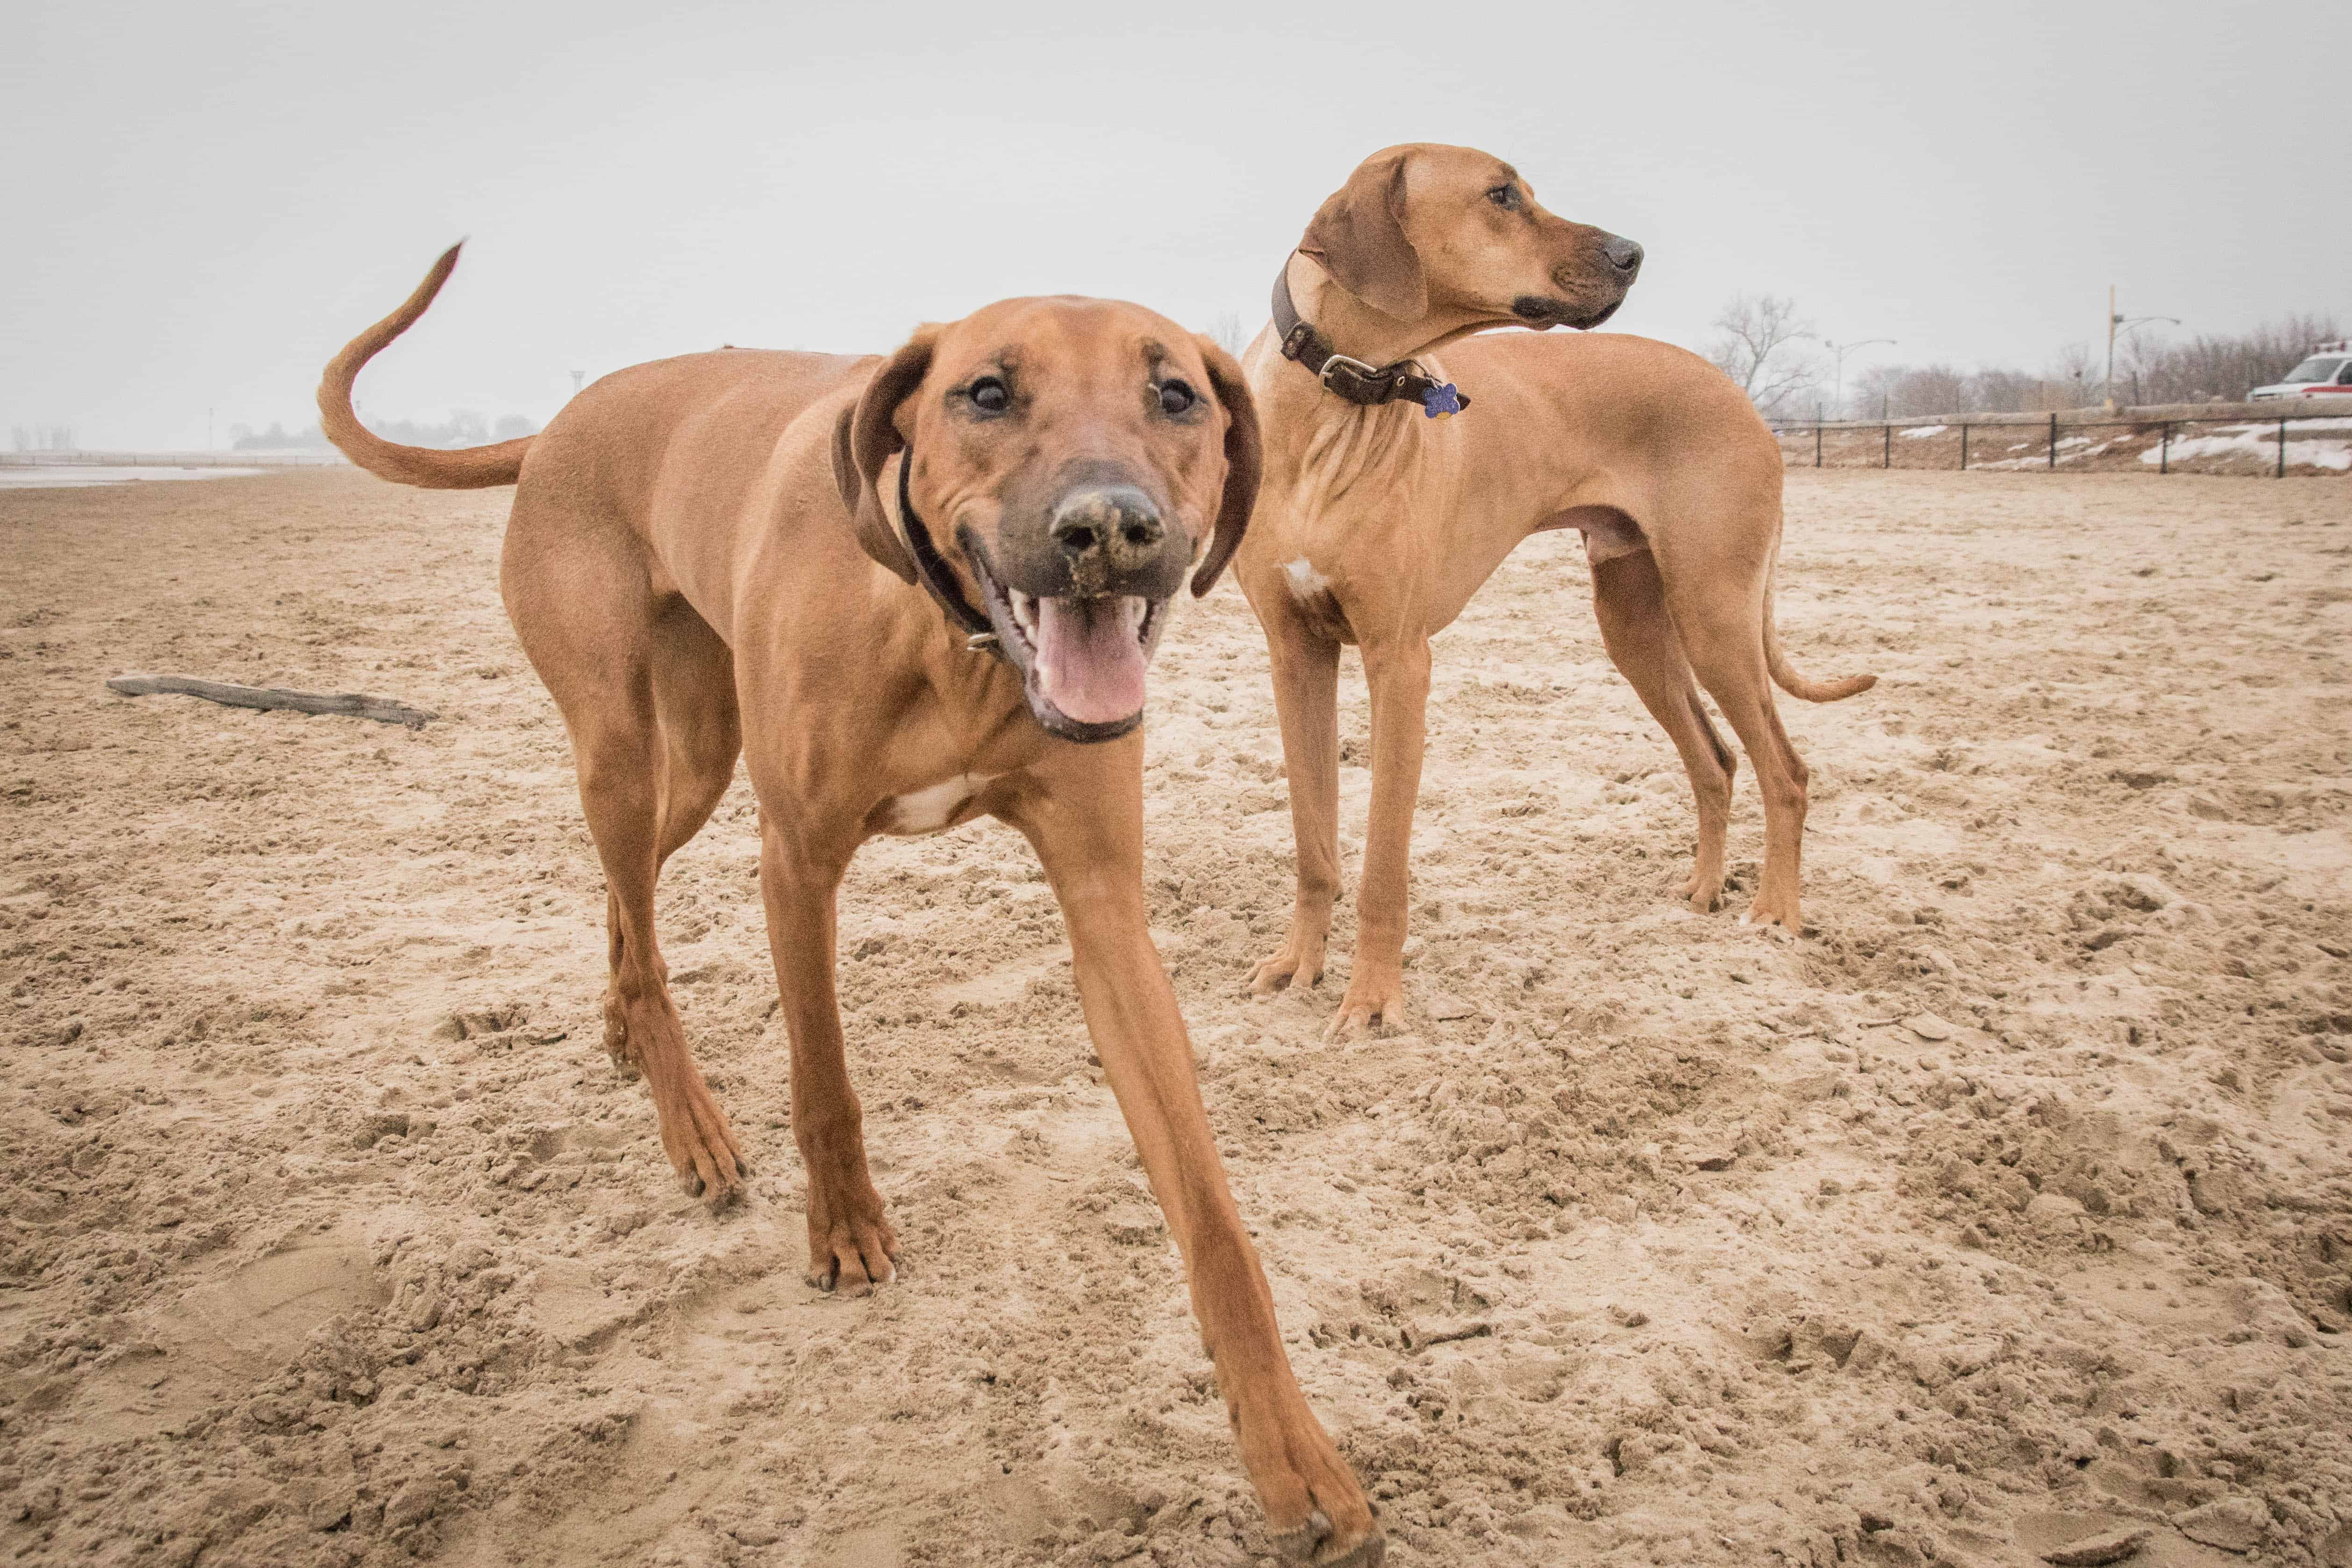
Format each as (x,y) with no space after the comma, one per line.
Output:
(1756,345)
(1871,393)
(2208,368)
(2000,390)
(1231,334)
(1932,389)
(2152,369)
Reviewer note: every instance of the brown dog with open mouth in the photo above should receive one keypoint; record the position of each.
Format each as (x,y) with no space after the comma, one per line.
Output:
(932,582)
(1382,514)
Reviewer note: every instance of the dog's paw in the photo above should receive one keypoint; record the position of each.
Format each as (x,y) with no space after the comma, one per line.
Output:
(1318,1544)
(701,1145)
(1702,892)
(1316,1511)
(852,1247)
(1295,960)
(1373,1001)
(1771,917)
(617,1044)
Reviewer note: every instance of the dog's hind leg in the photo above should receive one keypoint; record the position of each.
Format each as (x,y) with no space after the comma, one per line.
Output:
(701,728)
(620,794)
(582,604)
(702,734)
(1630,603)
(1718,611)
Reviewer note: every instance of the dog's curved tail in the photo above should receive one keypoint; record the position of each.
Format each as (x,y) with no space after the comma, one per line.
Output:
(466,469)
(1784,674)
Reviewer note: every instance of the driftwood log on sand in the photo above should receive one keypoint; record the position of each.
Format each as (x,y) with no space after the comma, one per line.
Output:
(383,710)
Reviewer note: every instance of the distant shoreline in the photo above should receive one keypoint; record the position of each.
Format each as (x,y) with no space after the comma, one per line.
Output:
(85,475)
(151,458)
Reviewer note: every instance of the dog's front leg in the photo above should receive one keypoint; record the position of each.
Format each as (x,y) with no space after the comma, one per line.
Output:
(1090,837)
(1398,673)
(850,1244)
(1306,701)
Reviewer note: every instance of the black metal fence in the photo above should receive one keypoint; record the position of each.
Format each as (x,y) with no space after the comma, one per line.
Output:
(2154,438)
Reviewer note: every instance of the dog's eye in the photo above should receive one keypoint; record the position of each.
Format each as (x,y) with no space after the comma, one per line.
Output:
(1505,196)
(1175,397)
(990,396)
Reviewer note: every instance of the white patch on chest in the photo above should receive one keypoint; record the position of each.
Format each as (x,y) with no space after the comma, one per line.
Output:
(1306,582)
(929,809)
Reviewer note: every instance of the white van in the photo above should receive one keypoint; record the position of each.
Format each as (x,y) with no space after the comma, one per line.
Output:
(2326,373)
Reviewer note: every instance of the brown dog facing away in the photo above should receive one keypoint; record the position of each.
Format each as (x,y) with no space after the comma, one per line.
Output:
(1377,519)
(798,540)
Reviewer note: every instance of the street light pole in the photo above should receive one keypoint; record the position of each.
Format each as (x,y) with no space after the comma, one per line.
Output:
(2113,318)
(2121,326)
(1839,351)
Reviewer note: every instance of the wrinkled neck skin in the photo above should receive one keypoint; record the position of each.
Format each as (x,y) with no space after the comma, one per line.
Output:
(1356,330)
(1320,448)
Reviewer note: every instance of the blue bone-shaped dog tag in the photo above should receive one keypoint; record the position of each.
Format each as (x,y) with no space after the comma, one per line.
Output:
(1442,402)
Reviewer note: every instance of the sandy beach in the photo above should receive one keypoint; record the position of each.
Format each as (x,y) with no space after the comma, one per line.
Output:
(2006,1212)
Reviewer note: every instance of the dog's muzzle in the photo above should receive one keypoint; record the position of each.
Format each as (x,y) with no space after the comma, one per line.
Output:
(1107,570)
(1608,276)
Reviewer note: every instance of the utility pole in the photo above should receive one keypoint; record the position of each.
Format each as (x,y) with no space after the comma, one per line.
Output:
(2109,385)
(1840,350)
(2119,325)
(577,377)
(209,431)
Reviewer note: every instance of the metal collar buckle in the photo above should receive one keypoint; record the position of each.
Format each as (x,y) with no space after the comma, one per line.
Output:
(1367,374)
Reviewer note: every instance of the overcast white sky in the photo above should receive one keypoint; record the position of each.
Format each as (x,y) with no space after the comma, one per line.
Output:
(204,201)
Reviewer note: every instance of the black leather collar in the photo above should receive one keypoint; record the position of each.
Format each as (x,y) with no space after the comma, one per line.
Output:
(1402,382)
(980,637)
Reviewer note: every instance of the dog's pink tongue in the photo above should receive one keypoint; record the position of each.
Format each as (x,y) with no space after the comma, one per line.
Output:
(1089,664)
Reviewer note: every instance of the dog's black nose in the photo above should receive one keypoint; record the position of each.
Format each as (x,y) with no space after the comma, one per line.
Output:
(1623,253)
(1107,525)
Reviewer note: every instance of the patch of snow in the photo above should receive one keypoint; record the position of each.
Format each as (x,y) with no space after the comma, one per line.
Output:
(2258,441)
(1924,431)
(2296,424)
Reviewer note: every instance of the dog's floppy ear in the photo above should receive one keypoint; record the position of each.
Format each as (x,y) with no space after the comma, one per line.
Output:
(1245,457)
(864,439)
(1358,236)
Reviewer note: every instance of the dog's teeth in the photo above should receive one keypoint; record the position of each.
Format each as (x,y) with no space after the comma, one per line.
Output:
(1136,609)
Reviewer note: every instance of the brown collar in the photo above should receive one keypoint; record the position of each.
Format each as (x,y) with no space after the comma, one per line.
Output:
(1352,379)
(980,637)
